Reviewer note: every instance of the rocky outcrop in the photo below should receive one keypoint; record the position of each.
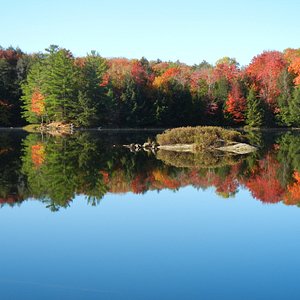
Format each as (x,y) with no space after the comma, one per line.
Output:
(57,128)
(178,147)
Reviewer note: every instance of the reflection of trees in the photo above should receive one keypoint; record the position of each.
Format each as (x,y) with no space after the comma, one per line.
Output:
(292,195)
(254,137)
(12,184)
(67,167)
(263,182)
(289,157)
(55,169)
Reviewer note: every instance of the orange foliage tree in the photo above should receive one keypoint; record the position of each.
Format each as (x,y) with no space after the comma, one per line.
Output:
(38,154)
(37,103)
(292,57)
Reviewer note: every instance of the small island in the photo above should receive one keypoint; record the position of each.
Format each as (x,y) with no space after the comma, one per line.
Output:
(202,146)
(203,138)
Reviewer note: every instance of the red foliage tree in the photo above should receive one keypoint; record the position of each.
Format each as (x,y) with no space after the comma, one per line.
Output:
(236,104)
(264,71)
(138,73)
(228,70)
(121,69)
(10,55)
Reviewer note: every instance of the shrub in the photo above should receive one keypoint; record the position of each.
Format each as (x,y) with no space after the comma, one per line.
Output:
(181,135)
(202,136)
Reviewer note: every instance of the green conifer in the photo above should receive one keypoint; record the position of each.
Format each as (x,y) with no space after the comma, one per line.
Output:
(294,107)
(254,113)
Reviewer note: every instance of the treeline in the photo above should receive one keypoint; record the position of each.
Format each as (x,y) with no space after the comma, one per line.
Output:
(89,91)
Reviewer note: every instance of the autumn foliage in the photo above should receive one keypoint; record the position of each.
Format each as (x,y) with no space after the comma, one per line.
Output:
(292,195)
(82,165)
(264,71)
(236,105)
(294,67)
(37,102)
(92,91)
(37,155)
(292,56)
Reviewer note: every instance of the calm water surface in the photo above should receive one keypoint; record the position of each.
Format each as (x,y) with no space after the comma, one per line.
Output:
(83,218)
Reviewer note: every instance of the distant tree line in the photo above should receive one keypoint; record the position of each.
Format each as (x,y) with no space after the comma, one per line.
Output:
(55,86)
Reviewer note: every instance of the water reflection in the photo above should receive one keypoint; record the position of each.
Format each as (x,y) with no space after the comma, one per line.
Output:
(56,169)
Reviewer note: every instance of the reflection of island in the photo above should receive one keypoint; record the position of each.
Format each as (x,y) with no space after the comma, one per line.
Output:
(203,159)
(55,169)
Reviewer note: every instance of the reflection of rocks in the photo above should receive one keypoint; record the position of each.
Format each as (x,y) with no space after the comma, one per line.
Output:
(135,147)
(236,148)
(239,148)
(148,147)
(199,159)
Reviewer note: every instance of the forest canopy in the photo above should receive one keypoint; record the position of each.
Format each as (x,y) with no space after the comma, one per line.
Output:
(92,91)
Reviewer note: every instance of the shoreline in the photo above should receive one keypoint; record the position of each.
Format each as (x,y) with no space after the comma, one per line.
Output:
(275,129)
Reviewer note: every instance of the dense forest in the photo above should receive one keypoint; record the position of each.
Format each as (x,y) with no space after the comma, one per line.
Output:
(92,91)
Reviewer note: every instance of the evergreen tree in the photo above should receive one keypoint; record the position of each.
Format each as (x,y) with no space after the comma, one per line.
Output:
(34,84)
(220,92)
(83,112)
(60,85)
(254,113)
(92,91)
(9,86)
(294,107)
(4,93)
(285,84)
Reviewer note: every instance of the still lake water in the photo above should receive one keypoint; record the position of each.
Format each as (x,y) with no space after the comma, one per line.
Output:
(84,218)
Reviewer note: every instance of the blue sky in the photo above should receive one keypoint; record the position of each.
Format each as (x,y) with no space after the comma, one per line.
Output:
(189,30)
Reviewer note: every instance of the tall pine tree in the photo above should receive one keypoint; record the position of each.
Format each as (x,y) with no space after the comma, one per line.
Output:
(92,105)
(60,86)
(254,113)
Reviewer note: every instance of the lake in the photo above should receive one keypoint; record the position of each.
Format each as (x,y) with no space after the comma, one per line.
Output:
(84,218)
